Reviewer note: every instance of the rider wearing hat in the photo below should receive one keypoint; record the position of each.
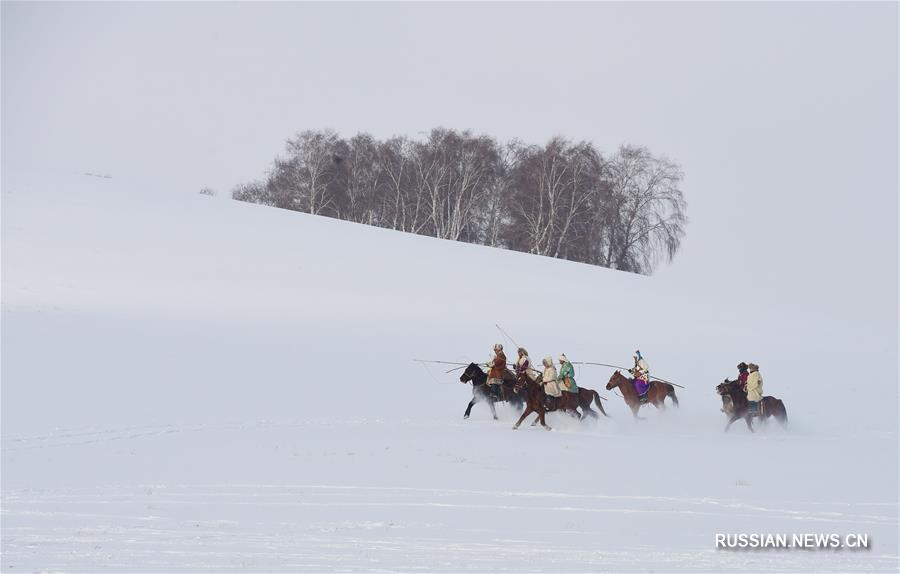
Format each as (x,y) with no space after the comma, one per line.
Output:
(551,385)
(641,373)
(497,366)
(523,365)
(742,376)
(567,374)
(754,388)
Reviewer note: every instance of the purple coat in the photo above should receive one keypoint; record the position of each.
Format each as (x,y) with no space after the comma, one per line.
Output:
(641,386)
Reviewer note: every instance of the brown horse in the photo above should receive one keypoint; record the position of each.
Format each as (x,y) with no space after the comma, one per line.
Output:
(535,402)
(656,395)
(740,406)
(585,397)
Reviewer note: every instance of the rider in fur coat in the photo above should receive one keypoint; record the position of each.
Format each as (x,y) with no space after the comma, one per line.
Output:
(754,387)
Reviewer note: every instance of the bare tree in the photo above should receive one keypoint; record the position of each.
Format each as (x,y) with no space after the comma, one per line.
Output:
(646,215)
(401,207)
(453,171)
(254,192)
(554,188)
(302,181)
(357,179)
(492,216)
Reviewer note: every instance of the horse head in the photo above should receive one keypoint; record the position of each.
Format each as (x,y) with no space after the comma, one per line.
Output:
(614,381)
(725,387)
(469,373)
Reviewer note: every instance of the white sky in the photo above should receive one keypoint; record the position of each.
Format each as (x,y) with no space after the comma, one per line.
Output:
(784,116)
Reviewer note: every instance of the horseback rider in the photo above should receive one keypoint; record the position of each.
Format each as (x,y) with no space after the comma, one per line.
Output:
(567,374)
(496,369)
(743,374)
(523,365)
(640,373)
(551,386)
(754,389)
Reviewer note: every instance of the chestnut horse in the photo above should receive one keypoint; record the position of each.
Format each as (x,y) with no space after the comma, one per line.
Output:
(483,392)
(740,406)
(656,395)
(535,402)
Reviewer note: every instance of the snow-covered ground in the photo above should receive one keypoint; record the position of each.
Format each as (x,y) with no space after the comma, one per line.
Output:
(192,383)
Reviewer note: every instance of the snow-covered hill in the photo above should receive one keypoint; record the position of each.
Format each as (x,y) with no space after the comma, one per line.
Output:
(192,383)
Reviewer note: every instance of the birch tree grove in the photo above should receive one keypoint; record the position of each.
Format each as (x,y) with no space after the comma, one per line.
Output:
(563,199)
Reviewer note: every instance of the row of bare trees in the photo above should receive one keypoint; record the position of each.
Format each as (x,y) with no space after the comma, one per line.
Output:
(563,199)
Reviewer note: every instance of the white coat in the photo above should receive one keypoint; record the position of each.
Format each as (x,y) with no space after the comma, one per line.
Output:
(642,369)
(551,387)
(754,387)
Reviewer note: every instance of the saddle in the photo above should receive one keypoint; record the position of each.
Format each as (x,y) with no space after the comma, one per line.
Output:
(756,409)
(550,402)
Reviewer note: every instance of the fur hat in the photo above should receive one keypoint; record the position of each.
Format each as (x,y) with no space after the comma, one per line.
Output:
(563,358)
(742,366)
(753,367)
(523,351)
(498,347)
(548,361)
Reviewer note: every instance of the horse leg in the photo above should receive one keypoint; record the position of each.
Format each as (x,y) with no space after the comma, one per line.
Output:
(570,406)
(733,418)
(516,402)
(749,419)
(781,416)
(469,409)
(522,418)
(543,407)
(541,418)
(542,410)
(493,408)
(634,411)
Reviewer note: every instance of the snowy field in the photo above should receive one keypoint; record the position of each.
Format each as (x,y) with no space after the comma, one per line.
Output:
(195,384)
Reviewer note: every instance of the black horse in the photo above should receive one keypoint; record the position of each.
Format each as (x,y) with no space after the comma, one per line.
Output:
(740,406)
(481,391)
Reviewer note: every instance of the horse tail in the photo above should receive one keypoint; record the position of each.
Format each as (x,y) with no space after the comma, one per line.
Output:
(599,402)
(670,392)
(782,416)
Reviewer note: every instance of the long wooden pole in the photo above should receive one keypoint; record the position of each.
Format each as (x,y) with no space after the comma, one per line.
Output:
(668,382)
(600,365)
(507,335)
(627,369)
